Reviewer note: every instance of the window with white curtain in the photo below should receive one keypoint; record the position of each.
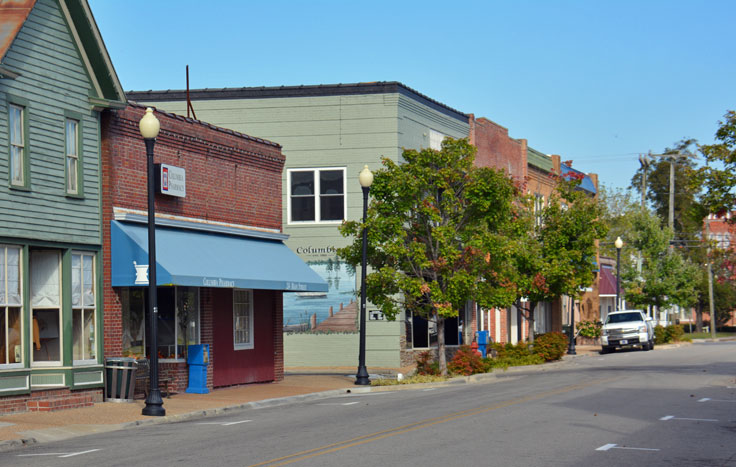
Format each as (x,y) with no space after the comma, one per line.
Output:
(72,156)
(45,268)
(83,308)
(242,319)
(11,348)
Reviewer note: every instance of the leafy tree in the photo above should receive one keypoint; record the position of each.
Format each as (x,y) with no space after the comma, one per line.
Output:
(719,175)
(666,278)
(618,208)
(437,236)
(557,258)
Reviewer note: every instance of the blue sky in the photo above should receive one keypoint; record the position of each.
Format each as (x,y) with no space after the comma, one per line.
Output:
(597,82)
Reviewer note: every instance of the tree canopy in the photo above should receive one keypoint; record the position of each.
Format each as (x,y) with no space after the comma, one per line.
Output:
(719,175)
(438,235)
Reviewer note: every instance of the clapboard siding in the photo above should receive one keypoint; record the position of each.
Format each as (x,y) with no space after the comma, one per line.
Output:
(54,81)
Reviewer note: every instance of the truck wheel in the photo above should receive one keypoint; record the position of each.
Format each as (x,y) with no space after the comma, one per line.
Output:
(606,349)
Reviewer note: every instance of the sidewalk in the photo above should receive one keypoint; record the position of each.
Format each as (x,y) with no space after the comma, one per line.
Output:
(299,384)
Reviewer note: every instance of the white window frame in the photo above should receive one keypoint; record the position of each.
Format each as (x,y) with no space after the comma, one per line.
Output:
(17,145)
(82,307)
(538,209)
(249,311)
(72,175)
(176,326)
(317,214)
(6,304)
(59,308)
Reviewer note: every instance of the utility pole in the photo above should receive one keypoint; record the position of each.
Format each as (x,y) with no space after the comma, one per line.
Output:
(710,284)
(644,161)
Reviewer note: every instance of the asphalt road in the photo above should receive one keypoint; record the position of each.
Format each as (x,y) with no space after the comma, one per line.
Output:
(674,407)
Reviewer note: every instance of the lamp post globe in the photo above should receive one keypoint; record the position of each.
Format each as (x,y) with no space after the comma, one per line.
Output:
(618,244)
(366,180)
(150,127)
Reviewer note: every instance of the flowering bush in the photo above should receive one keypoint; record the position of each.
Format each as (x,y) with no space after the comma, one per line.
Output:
(426,364)
(466,362)
(550,346)
(590,329)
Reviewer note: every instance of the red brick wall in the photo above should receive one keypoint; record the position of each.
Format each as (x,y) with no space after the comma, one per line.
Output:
(50,400)
(230,177)
(496,149)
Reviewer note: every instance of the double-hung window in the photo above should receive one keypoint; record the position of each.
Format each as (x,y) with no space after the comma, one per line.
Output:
(435,140)
(72,157)
(538,209)
(242,319)
(46,307)
(316,195)
(18,146)
(11,349)
(83,308)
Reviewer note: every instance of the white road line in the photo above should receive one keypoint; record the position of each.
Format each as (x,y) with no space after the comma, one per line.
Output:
(59,454)
(607,447)
(672,417)
(340,403)
(428,389)
(80,453)
(706,399)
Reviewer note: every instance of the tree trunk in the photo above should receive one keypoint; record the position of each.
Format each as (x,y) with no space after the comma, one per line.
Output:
(532,307)
(699,317)
(441,357)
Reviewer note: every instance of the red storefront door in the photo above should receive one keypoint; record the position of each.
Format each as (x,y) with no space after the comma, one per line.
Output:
(254,365)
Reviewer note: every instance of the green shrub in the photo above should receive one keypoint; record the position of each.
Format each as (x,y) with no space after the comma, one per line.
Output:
(466,362)
(660,334)
(504,363)
(674,332)
(550,346)
(591,329)
(508,350)
(426,364)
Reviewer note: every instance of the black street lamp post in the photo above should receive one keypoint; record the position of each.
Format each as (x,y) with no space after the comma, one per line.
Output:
(150,126)
(366,179)
(619,244)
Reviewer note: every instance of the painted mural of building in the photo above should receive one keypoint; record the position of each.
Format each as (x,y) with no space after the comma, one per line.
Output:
(328,133)
(55,80)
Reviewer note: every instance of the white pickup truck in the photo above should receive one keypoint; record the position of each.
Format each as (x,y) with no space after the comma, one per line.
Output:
(627,328)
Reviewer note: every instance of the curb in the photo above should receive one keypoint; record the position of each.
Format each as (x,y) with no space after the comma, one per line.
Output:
(11,444)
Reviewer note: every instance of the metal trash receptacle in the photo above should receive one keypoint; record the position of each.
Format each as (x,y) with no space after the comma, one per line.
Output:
(120,379)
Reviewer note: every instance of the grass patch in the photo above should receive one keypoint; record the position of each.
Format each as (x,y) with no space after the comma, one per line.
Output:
(707,335)
(415,379)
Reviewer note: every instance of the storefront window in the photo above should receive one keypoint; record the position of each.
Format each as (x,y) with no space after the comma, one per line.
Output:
(46,306)
(178,321)
(422,333)
(10,304)
(83,307)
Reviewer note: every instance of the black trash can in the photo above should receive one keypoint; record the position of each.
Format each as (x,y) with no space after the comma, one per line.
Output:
(120,379)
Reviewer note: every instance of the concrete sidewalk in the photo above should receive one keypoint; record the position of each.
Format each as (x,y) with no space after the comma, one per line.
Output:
(299,384)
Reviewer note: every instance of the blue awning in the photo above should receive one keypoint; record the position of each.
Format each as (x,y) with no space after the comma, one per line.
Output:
(203,259)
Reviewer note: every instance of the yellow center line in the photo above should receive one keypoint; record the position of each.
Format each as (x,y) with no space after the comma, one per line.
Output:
(379,435)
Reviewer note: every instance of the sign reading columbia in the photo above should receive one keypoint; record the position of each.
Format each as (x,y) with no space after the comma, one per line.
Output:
(219,282)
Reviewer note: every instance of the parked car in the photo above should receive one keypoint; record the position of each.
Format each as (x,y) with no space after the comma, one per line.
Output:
(627,328)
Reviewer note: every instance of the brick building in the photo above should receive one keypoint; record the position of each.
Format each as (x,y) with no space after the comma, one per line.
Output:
(221,263)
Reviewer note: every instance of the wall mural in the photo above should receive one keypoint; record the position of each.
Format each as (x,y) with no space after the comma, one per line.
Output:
(333,311)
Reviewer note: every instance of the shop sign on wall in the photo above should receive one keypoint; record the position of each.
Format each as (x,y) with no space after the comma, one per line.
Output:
(171,180)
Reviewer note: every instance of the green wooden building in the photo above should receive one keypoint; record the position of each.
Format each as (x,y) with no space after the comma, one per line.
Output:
(55,79)
(328,133)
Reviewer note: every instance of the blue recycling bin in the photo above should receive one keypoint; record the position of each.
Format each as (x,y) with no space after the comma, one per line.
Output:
(198,356)
(481,337)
